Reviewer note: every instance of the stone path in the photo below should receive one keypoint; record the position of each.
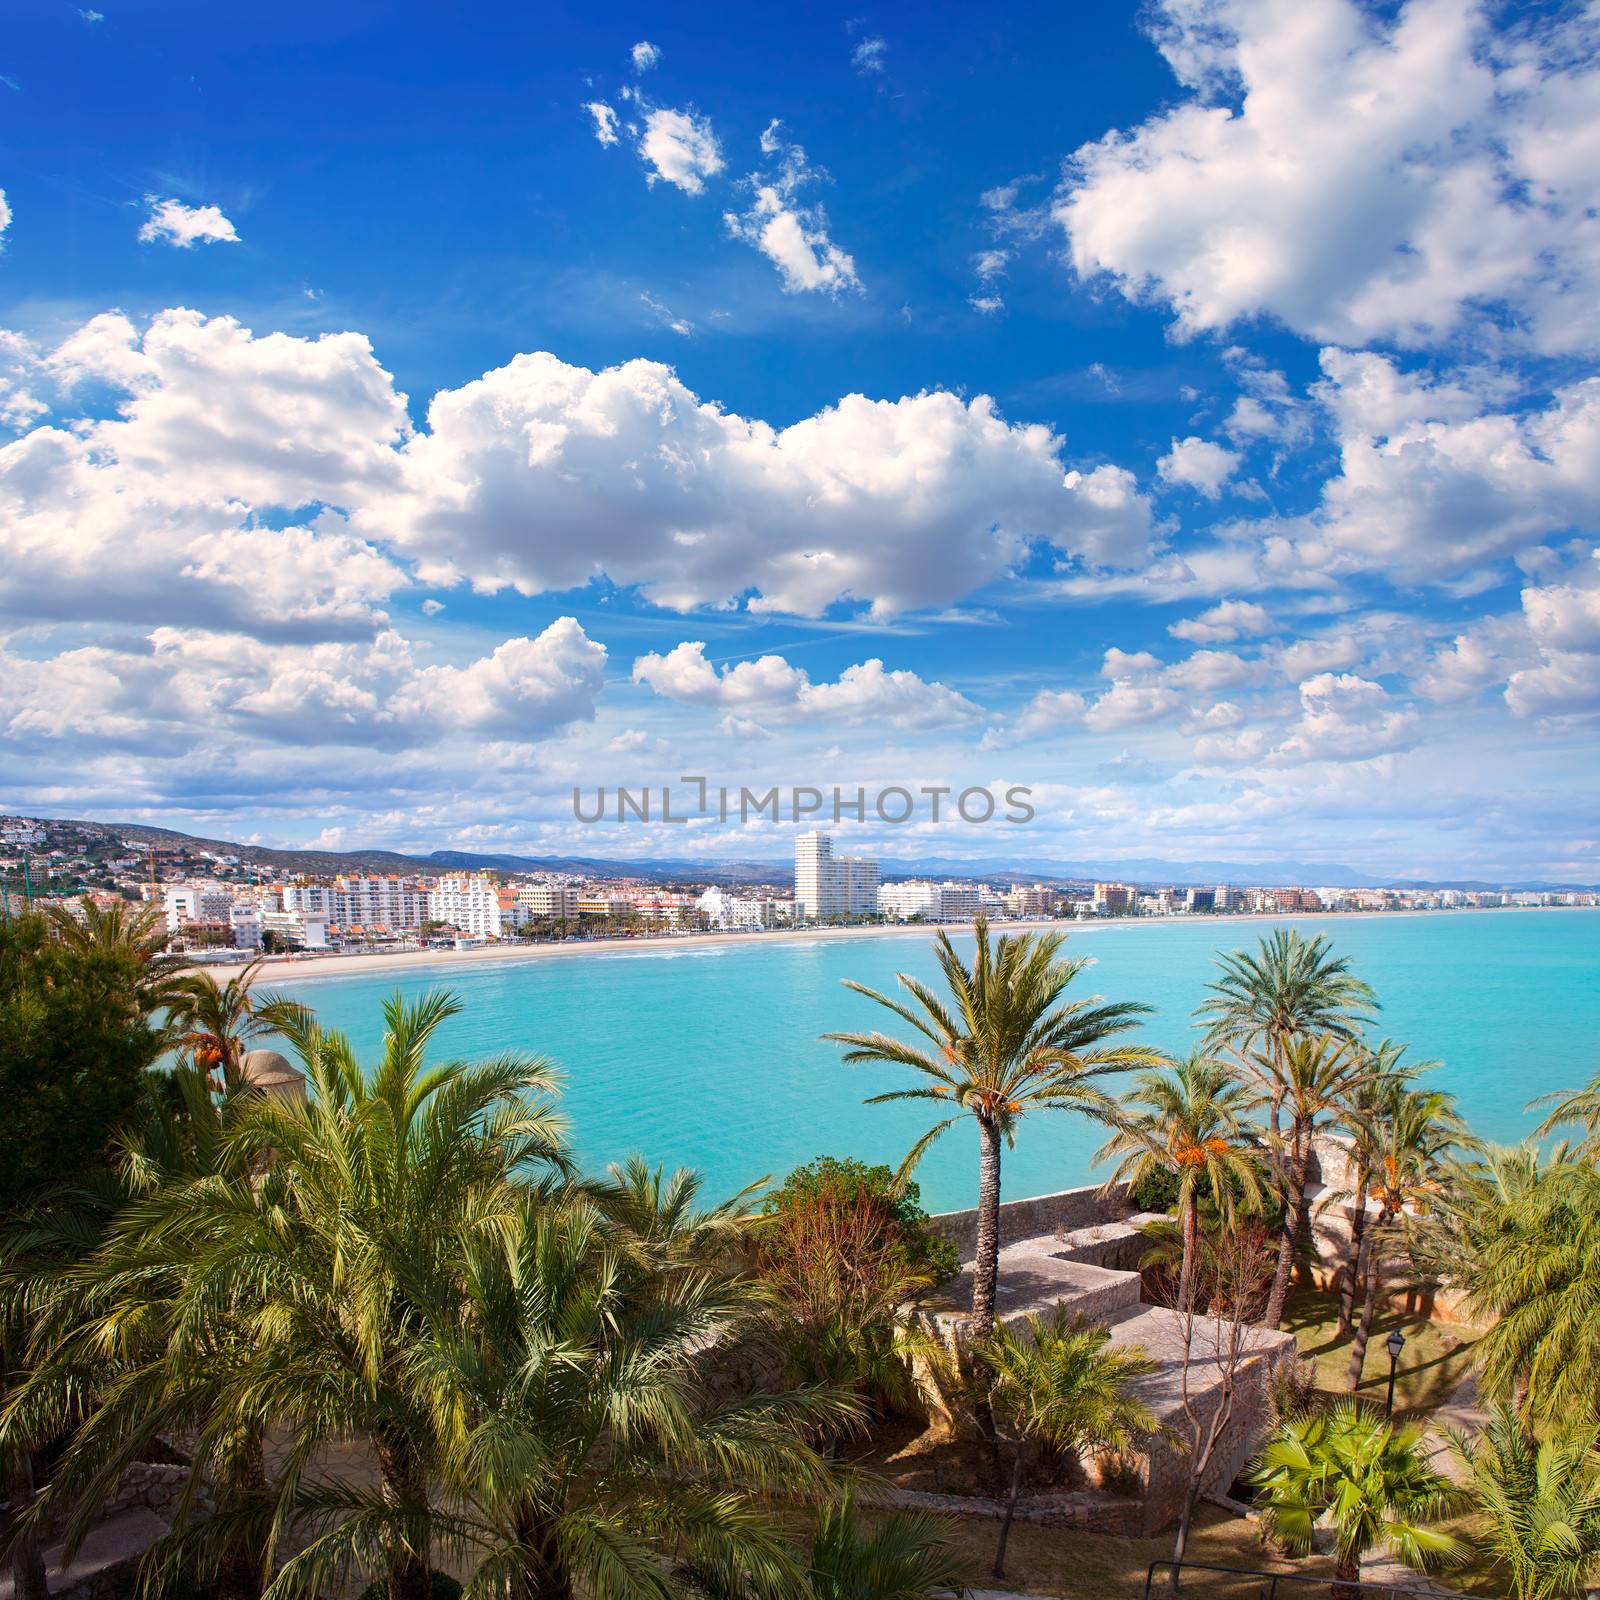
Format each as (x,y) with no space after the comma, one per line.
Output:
(112,1543)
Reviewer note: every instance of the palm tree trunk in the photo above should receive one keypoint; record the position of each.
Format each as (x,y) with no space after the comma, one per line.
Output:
(986,1257)
(1294,1203)
(1358,1346)
(1191,1230)
(1352,1272)
(1347,1579)
(27,1563)
(985,1275)
(1010,1516)
(241,1569)
(544,1575)
(404,1490)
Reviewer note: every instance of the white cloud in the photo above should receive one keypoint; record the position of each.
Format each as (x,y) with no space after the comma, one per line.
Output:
(990,263)
(540,475)
(92,17)
(222,687)
(1357,175)
(1223,623)
(5,217)
(680,148)
(645,56)
(185,226)
(665,316)
(868,55)
(605,121)
(987,305)
(1346,718)
(774,689)
(154,512)
(1563,620)
(1049,711)
(794,238)
(1198,464)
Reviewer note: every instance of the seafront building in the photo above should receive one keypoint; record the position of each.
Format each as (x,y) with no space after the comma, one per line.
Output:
(474,904)
(828,885)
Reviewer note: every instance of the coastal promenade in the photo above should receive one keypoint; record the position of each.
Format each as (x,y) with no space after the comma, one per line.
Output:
(297,968)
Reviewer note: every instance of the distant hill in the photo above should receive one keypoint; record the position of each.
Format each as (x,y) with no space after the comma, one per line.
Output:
(1020,867)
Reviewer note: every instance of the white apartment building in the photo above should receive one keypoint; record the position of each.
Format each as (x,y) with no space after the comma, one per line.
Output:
(387,902)
(303,930)
(541,900)
(827,885)
(744,911)
(472,903)
(939,902)
(195,902)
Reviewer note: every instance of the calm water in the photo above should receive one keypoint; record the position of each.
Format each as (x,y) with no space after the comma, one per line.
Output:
(710,1058)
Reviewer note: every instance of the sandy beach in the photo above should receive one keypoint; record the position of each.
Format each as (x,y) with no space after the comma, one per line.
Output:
(301,967)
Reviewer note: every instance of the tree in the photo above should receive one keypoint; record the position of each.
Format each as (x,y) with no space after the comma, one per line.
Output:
(1580,1106)
(1008,1042)
(1522,1239)
(395,1169)
(1189,1122)
(1412,1146)
(1369,1479)
(77,1034)
(1062,1384)
(573,1438)
(130,1344)
(1262,1008)
(1390,1071)
(137,935)
(905,1556)
(215,1023)
(1540,1504)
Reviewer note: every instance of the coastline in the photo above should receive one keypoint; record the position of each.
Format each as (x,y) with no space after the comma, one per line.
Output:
(297,969)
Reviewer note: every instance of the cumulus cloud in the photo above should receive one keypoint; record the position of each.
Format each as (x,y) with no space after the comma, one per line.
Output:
(1358,175)
(128,517)
(770,688)
(605,121)
(1346,718)
(1223,623)
(792,236)
(172,222)
(1049,711)
(1199,464)
(274,481)
(1563,622)
(541,475)
(680,148)
(368,694)
(645,56)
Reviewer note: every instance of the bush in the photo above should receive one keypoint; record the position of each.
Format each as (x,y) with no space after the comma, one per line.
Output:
(1156,1190)
(922,1252)
(444,1588)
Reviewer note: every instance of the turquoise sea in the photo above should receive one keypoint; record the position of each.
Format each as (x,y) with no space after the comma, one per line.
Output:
(708,1056)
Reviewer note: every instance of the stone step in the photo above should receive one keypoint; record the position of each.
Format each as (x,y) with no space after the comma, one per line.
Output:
(115,1543)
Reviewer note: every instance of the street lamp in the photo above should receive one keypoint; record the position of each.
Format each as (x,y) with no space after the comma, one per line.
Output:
(1394,1344)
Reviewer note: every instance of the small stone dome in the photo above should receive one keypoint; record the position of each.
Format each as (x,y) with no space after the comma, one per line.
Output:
(273,1074)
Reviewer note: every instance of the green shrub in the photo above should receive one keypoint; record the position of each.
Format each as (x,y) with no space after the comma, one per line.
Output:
(923,1252)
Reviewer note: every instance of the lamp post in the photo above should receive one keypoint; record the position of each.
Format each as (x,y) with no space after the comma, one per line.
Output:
(1394,1344)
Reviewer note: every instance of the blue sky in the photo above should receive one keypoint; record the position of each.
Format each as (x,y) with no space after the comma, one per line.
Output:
(1193,418)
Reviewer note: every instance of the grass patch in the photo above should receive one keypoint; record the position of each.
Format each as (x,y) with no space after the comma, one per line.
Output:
(1080,1564)
(1435,1358)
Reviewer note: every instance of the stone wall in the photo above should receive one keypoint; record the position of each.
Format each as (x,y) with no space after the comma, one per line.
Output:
(1065,1211)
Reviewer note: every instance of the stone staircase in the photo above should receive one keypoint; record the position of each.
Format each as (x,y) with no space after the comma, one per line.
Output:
(1039,1274)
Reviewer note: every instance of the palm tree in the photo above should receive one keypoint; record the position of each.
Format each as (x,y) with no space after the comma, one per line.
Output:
(1190,1122)
(390,1174)
(1060,1382)
(1314,1079)
(1390,1071)
(130,1344)
(1540,1504)
(138,933)
(1524,1243)
(1413,1145)
(906,1556)
(572,1434)
(1581,1106)
(1007,1044)
(215,1022)
(1370,1480)
(1290,989)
